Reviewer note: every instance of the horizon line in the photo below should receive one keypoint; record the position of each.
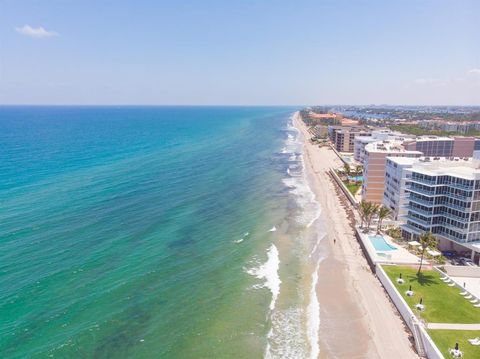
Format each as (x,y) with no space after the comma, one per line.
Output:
(227,105)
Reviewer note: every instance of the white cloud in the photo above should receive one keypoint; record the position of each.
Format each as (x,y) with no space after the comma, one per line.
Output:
(474,71)
(38,32)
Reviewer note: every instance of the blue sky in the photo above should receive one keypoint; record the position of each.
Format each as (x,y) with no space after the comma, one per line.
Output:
(244,52)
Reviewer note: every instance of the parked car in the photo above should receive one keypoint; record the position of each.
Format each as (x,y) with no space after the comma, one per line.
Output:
(469,262)
(448,254)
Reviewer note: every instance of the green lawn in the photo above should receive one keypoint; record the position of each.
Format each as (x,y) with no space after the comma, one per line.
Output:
(446,339)
(353,187)
(443,304)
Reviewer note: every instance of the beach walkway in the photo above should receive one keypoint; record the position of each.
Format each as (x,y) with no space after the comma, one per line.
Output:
(453,326)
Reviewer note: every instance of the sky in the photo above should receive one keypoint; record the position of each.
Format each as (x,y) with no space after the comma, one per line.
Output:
(244,52)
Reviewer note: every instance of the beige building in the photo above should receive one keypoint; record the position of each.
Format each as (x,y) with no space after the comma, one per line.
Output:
(343,137)
(374,165)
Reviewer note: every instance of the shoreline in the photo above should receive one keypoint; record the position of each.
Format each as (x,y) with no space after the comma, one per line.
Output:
(357,320)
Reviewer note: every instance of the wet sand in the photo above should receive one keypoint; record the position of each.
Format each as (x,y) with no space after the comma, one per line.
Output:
(357,320)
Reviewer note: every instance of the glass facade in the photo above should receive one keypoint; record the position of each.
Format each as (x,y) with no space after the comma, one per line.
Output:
(446,205)
(437,148)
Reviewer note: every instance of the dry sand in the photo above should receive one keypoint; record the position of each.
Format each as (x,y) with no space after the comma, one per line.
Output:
(357,320)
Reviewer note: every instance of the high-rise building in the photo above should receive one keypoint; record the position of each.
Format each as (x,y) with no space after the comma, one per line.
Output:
(395,196)
(379,135)
(343,137)
(435,146)
(374,164)
(444,198)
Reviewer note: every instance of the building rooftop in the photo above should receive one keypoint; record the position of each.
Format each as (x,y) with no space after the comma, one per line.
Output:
(466,168)
(440,138)
(404,160)
(389,146)
(434,138)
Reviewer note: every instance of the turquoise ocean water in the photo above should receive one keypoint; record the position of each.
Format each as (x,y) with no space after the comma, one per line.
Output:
(154,232)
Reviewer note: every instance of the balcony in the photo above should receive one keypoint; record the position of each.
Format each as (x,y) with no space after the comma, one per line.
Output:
(412,228)
(421,201)
(454,206)
(447,184)
(452,228)
(459,186)
(419,221)
(423,181)
(419,210)
(456,196)
(420,191)
(451,238)
(450,215)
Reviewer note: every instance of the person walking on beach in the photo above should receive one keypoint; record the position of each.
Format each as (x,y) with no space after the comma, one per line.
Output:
(334,240)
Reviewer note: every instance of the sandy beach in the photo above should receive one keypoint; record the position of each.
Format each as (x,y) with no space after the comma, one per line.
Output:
(357,320)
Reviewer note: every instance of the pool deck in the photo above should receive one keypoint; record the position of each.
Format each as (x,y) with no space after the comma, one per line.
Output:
(398,256)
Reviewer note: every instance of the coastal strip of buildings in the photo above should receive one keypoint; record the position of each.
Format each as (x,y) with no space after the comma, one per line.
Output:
(430,183)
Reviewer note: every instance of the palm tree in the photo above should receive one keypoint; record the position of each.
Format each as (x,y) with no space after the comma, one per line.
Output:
(373,210)
(346,169)
(427,240)
(358,172)
(383,212)
(363,209)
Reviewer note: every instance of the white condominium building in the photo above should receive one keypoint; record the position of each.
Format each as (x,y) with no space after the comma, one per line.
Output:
(380,135)
(444,198)
(396,179)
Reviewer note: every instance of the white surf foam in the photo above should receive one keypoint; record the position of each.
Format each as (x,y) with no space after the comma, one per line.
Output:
(245,235)
(308,208)
(285,338)
(295,330)
(313,315)
(269,273)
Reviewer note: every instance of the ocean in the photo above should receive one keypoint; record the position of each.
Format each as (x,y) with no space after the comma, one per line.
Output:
(156,232)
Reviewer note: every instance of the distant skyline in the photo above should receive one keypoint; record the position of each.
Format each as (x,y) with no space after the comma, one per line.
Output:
(409,52)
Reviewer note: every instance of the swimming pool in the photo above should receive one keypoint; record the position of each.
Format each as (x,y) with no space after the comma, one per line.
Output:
(356,178)
(380,244)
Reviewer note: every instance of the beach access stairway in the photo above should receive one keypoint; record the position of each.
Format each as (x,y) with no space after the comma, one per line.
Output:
(418,337)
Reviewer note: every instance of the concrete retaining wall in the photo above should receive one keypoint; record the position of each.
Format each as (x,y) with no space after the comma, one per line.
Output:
(343,188)
(338,154)
(369,255)
(409,318)
(431,349)
(397,299)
